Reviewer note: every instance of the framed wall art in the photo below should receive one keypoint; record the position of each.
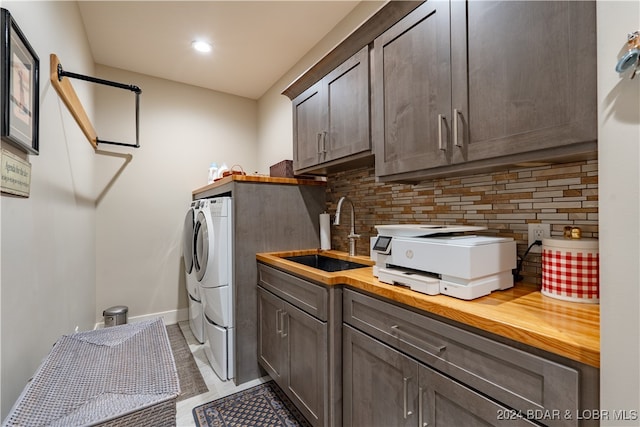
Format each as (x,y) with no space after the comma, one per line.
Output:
(19,87)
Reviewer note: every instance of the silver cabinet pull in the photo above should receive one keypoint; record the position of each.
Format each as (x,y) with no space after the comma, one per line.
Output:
(405,394)
(285,332)
(441,146)
(278,323)
(318,141)
(430,347)
(456,113)
(324,142)
(421,422)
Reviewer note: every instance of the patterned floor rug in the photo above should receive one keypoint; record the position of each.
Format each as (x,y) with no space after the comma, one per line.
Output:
(262,405)
(191,381)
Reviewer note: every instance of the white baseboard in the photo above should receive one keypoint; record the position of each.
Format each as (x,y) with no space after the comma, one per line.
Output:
(170,317)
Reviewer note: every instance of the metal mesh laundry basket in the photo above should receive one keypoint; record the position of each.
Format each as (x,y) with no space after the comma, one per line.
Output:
(123,375)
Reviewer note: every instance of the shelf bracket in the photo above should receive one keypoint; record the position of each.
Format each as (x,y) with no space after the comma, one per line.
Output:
(71,100)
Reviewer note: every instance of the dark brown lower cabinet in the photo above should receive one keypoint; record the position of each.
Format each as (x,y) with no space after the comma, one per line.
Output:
(383,387)
(376,383)
(299,342)
(346,358)
(292,348)
(271,344)
(405,368)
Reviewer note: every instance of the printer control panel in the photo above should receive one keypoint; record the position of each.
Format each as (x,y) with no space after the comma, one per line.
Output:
(382,245)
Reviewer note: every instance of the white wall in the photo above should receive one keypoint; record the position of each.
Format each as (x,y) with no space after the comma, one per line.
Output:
(140,218)
(274,109)
(619,212)
(48,239)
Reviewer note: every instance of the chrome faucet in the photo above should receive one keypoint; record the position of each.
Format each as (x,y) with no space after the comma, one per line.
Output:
(352,234)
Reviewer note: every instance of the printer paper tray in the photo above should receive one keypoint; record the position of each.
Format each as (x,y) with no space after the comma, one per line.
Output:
(418,282)
(431,285)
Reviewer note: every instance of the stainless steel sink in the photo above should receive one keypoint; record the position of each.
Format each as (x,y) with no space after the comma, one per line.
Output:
(325,263)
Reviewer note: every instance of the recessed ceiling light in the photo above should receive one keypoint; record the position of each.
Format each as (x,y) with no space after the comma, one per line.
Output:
(201,46)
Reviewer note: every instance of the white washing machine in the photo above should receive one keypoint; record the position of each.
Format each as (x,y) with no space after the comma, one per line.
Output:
(212,263)
(196,317)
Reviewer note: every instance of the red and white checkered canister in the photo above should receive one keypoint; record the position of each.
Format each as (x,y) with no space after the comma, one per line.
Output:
(570,269)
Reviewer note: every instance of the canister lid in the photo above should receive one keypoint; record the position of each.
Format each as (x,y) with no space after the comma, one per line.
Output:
(115,310)
(571,243)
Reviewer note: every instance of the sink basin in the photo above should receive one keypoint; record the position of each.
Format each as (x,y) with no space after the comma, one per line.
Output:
(325,263)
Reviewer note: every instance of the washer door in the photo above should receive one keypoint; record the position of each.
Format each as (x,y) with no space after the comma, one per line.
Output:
(187,241)
(202,235)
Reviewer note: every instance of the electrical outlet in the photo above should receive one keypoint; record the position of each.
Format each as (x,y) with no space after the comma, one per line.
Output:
(538,232)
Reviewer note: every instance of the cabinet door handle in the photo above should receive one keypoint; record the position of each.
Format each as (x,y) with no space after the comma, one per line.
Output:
(456,113)
(405,395)
(421,422)
(285,332)
(278,322)
(441,146)
(433,348)
(318,141)
(324,142)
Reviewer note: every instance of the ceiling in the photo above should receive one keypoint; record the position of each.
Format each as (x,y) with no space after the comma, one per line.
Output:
(254,42)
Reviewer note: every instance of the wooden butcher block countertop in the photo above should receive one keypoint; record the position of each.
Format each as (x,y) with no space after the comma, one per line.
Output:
(260,179)
(522,313)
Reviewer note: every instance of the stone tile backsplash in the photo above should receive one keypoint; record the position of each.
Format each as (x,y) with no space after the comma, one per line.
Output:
(504,202)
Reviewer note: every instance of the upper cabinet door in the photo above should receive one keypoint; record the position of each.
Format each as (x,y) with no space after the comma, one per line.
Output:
(309,118)
(331,118)
(347,99)
(411,100)
(523,76)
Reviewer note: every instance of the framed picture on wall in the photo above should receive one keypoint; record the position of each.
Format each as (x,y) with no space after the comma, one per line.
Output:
(19,87)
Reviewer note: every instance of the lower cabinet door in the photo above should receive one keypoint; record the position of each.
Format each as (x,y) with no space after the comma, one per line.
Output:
(379,383)
(444,402)
(271,349)
(292,348)
(383,387)
(306,376)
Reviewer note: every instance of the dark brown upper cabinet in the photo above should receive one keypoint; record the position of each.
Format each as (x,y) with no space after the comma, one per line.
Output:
(412,92)
(331,118)
(473,86)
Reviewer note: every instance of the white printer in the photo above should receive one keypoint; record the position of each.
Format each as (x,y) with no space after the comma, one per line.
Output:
(443,259)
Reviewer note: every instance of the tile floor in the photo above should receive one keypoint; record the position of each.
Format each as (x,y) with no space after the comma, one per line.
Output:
(217,387)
